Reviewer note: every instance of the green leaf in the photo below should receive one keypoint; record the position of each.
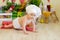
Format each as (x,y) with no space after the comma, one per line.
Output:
(20,14)
(9,4)
(17,7)
(35,2)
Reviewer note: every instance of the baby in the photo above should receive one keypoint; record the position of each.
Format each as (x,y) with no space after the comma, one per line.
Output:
(23,21)
(20,22)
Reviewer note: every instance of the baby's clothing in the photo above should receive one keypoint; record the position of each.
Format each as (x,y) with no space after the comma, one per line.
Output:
(16,23)
(33,9)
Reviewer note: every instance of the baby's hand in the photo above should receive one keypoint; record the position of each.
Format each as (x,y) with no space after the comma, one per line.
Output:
(35,31)
(25,32)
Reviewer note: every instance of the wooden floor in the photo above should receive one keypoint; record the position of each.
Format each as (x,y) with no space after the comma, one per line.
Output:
(49,31)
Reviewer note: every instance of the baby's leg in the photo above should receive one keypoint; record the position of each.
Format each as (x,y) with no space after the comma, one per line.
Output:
(30,25)
(33,25)
(8,26)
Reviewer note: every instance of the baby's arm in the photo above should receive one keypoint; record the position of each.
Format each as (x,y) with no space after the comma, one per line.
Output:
(34,26)
(24,25)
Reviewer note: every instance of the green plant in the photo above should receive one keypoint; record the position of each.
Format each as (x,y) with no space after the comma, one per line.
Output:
(35,2)
(20,14)
(9,4)
(5,8)
(17,7)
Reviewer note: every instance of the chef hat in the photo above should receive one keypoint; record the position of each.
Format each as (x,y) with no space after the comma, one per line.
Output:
(33,9)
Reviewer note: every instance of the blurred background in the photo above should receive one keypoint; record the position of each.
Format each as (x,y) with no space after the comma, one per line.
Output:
(55,4)
(50,31)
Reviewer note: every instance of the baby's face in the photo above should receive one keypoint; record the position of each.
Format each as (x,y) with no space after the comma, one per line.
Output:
(32,15)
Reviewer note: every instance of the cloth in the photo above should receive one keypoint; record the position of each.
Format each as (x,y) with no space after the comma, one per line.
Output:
(16,23)
(33,9)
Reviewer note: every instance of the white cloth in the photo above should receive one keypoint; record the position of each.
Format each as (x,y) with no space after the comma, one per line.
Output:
(33,9)
(16,23)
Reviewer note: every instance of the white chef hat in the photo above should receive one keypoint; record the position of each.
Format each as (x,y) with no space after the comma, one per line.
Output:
(33,9)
